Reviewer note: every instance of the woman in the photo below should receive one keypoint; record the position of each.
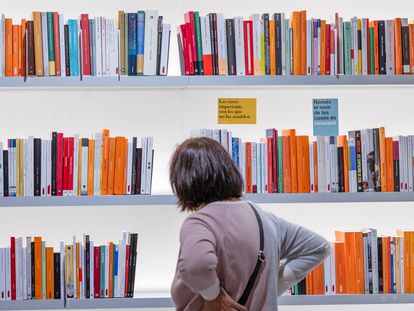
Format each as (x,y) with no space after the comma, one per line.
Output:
(220,239)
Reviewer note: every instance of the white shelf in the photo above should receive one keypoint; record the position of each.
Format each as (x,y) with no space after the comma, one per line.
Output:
(181,82)
(172,200)
(166,302)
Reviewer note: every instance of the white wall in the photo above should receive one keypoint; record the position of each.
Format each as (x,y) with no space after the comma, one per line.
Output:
(170,114)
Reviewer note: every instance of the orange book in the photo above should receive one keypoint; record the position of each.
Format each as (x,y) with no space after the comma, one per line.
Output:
(15,50)
(23,48)
(323,47)
(38,267)
(386,264)
(383,160)
(111,166)
(359,263)
(303,42)
(50,274)
(296,44)
(389,164)
(398,46)
(287,185)
(38,43)
(8,45)
(340,271)
(293,159)
(124,177)
(111,268)
(411,44)
(249,167)
(343,142)
(272,47)
(411,262)
(376,48)
(119,165)
(104,165)
(78,271)
(315,165)
(91,164)
(309,283)
(348,238)
(302,147)
(407,259)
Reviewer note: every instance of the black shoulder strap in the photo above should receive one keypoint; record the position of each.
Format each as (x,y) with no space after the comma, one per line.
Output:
(260,260)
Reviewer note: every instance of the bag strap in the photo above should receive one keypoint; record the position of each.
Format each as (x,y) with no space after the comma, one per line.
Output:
(260,261)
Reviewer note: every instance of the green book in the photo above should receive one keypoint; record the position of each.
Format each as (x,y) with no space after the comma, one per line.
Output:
(372,49)
(197,27)
(280,163)
(51,44)
(102,272)
(295,289)
(347,48)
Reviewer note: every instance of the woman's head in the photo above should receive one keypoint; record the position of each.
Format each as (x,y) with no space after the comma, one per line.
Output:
(201,172)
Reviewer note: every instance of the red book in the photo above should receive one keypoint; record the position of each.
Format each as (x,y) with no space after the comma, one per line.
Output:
(70,158)
(59,164)
(126,271)
(190,48)
(185,49)
(56,38)
(192,41)
(65,164)
(248,47)
(96,271)
(275,164)
(13,267)
(328,50)
(331,67)
(86,51)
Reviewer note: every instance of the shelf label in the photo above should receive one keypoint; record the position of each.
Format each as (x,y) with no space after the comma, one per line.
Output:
(236,111)
(325,117)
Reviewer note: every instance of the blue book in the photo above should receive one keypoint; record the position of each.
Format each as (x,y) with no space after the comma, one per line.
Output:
(132,44)
(73,47)
(102,273)
(235,151)
(116,250)
(92,29)
(140,42)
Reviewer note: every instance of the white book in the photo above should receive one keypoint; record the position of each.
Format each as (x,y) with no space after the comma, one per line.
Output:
(84,166)
(352,175)
(129,169)
(149,167)
(327,275)
(82,266)
(311,168)
(366,263)
(333,271)
(309,40)
(256,21)
(223,139)
(2,273)
(150,42)
(113,50)
(97,164)
(45,44)
(43,168)
(321,162)
(106,271)
(283,43)
(62,45)
(390,36)
(122,262)
(31,166)
(239,44)
(2,46)
(62,270)
(230,142)
(1,173)
(205,35)
(8,275)
(388,46)
(75,164)
(98,39)
(221,44)
(106,32)
(144,146)
(75,275)
(216,135)
(48,167)
(364,37)
(91,269)
(165,49)
(19,268)
(410,145)
(340,42)
(402,264)
(103,47)
(28,268)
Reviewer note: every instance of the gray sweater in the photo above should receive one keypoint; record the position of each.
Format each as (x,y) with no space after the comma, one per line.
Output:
(219,245)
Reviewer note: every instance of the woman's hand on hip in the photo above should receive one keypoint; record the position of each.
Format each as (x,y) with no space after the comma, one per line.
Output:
(223,302)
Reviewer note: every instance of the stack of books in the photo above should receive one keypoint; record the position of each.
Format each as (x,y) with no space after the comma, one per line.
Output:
(361,262)
(279,44)
(283,162)
(72,166)
(49,45)
(78,270)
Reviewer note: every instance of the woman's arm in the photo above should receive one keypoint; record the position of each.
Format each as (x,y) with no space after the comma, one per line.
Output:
(302,249)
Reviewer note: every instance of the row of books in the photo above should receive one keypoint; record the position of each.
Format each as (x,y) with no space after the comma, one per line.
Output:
(134,44)
(267,44)
(72,166)
(361,262)
(81,270)
(283,162)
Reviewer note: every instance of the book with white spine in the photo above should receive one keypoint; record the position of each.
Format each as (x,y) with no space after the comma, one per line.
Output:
(149,166)
(76,153)
(239,45)
(98,46)
(165,49)
(43,168)
(62,45)
(150,42)
(364,37)
(84,166)
(221,44)
(75,275)
(327,277)
(144,146)
(8,274)
(91,268)
(283,43)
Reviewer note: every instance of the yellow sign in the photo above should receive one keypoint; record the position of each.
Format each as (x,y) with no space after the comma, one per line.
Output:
(236,111)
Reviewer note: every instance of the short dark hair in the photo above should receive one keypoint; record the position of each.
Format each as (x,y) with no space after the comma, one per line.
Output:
(201,172)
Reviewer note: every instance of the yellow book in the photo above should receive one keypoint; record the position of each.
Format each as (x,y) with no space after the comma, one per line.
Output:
(359,50)
(121,27)
(69,282)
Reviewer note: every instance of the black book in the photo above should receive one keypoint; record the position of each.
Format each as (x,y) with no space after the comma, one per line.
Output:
(278,44)
(396,169)
(231,48)
(377,180)
(214,44)
(134,165)
(30,49)
(139,169)
(130,273)
(381,47)
(302,287)
(266,34)
(37,160)
(6,173)
(159,41)
(32,269)
(54,159)
(380,267)
(360,184)
(56,269)
(67,57)
(87,267)
(341,177)
(405,42)
(134,237)
(359,37)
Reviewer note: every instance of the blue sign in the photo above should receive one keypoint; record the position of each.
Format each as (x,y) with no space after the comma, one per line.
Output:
(325,117)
